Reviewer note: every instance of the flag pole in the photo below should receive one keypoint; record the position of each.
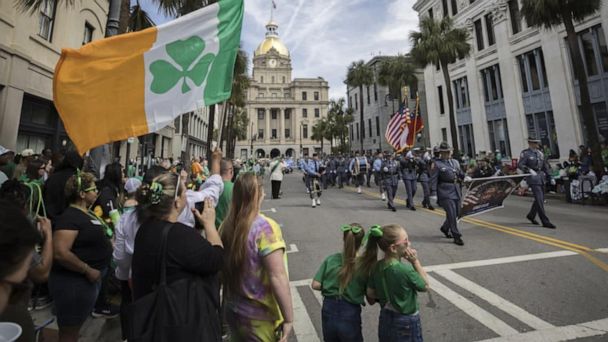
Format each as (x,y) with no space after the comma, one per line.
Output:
(416,119)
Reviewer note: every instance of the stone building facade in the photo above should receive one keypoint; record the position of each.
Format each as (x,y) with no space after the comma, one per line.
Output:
(518,80)
(281,110)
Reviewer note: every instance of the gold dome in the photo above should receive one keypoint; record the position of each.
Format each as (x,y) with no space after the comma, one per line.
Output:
(269,43)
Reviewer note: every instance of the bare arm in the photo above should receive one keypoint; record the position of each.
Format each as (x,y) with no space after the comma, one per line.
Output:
(216,157)
(315,285)
(40,273)
(275,266)
(62,245)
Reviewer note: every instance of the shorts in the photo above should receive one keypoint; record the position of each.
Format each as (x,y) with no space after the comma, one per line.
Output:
(250,330)
(74,297)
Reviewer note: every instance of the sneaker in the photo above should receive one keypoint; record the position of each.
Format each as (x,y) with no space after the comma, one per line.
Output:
(314,203)
(107,311)
(318,201)
(383,197)
(307,191)
(42,302)
(359,190)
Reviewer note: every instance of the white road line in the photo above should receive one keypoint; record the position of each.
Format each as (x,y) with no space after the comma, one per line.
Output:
(497,301)
(272,210)
(484,317)
(567,333)
(292,248)
(318,296)
(303,282)
(302,325)
(497,261)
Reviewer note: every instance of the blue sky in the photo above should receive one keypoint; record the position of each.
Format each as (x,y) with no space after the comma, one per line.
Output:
(325,36)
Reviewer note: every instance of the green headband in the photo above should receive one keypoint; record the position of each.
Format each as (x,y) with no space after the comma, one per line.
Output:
(78,180)
(353,229)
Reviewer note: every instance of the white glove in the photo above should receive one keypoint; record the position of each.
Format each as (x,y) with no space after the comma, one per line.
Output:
(468,179)
(552,181)
(532,172)
(385,169)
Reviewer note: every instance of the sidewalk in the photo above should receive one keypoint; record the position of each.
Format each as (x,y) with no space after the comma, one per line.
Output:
(93,330)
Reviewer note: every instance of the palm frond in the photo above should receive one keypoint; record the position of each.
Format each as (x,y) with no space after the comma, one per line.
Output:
(33,6)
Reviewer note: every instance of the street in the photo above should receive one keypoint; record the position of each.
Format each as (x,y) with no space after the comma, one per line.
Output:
(511,281)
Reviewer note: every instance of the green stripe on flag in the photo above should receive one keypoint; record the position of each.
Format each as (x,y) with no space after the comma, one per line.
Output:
(219,81)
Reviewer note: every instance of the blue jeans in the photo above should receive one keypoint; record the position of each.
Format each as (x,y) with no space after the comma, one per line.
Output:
(396,327)
(341,321)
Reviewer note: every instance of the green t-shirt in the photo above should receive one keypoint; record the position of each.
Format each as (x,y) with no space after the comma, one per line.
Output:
(8,169)
(402,283)
(328,276)
(223,203)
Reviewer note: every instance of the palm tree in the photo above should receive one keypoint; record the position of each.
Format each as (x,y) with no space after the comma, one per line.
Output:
(396,72)
(551,14)
(358,75)
(439,43)
(319,131)
(138,18)
(240,84)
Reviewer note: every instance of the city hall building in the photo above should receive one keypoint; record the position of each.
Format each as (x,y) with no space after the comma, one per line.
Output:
(518,80)
(281,110)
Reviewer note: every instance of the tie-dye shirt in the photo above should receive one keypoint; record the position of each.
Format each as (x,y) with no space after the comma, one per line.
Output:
(256,300)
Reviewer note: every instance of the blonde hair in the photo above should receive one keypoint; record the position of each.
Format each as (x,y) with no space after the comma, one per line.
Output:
(390,235)
(352,243)
(235,228)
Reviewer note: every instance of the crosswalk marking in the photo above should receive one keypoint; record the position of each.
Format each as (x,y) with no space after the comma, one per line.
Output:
(302,325)
(567,333)
(472,309)
(497,301)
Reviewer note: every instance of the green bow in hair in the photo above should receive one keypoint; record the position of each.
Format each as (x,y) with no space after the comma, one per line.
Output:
(354,229)
(78,180)
(157,192)
(375,230)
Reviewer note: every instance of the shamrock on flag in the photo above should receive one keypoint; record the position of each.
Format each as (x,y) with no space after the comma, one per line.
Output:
(137,83)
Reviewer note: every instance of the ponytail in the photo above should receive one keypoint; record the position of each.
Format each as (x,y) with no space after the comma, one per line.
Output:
(353,236)
(378,237)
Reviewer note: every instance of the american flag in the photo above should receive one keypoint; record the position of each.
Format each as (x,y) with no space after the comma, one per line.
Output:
(403,127)
(274,4)
(395,127)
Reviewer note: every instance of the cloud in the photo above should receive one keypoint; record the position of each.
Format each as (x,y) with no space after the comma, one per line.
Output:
(325,36)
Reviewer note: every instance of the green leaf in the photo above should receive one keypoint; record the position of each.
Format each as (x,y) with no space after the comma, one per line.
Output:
(165,76)
(198,73)
(185,52)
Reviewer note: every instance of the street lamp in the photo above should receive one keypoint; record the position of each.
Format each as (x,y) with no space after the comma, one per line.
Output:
(301,149)
(251,137)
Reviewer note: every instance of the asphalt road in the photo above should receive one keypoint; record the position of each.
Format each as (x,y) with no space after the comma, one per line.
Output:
(512,281)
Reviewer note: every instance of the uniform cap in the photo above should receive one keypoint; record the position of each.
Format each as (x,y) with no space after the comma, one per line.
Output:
(444,147)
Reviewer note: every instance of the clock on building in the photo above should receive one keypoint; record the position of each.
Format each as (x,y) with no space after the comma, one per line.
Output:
(272,63)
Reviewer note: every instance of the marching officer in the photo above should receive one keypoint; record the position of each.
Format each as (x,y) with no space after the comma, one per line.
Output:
(447,177)
(424,176)
(390,174)
(314,171)
(341,171)
(331,168)
(408,174)
(377,167)
(532,161)
(358,168)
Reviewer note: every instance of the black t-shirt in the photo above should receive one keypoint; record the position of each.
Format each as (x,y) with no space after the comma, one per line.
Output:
(188,254)
(91,244)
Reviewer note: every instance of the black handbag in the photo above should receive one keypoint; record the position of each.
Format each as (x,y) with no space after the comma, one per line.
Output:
(185,310)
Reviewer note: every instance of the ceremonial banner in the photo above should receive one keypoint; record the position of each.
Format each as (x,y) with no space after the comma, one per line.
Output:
(137,83)
(485,194)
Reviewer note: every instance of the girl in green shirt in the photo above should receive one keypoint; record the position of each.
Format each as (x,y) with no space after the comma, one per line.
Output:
(343,288)
(394,284)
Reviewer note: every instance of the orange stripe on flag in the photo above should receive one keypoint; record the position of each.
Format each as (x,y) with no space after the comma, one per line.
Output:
(97,85)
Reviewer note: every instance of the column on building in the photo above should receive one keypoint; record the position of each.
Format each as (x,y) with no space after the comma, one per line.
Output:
(281,132)
(267,113)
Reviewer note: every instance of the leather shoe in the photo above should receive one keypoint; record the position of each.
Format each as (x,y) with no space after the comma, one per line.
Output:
(458,241)
(412,208)
(430,207)
(549,225)
(446,234)
(532,219)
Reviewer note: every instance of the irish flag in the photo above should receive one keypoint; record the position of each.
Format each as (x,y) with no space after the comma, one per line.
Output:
(137,83)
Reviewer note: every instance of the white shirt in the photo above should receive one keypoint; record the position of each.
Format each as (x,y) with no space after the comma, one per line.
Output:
(212,188)
(277,175)
(124,244)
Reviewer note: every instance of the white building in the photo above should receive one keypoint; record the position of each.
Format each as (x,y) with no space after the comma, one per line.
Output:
(517,81)
(378,106)
(281,110)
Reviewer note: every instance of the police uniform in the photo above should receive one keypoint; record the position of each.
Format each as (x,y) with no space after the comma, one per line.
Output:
(533,161)
(447,176)
(341,171)
(408,175)
(331,168)
(390,173)
(377,169)
(424,176)
(369,173)
(358,168)
(304,168)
